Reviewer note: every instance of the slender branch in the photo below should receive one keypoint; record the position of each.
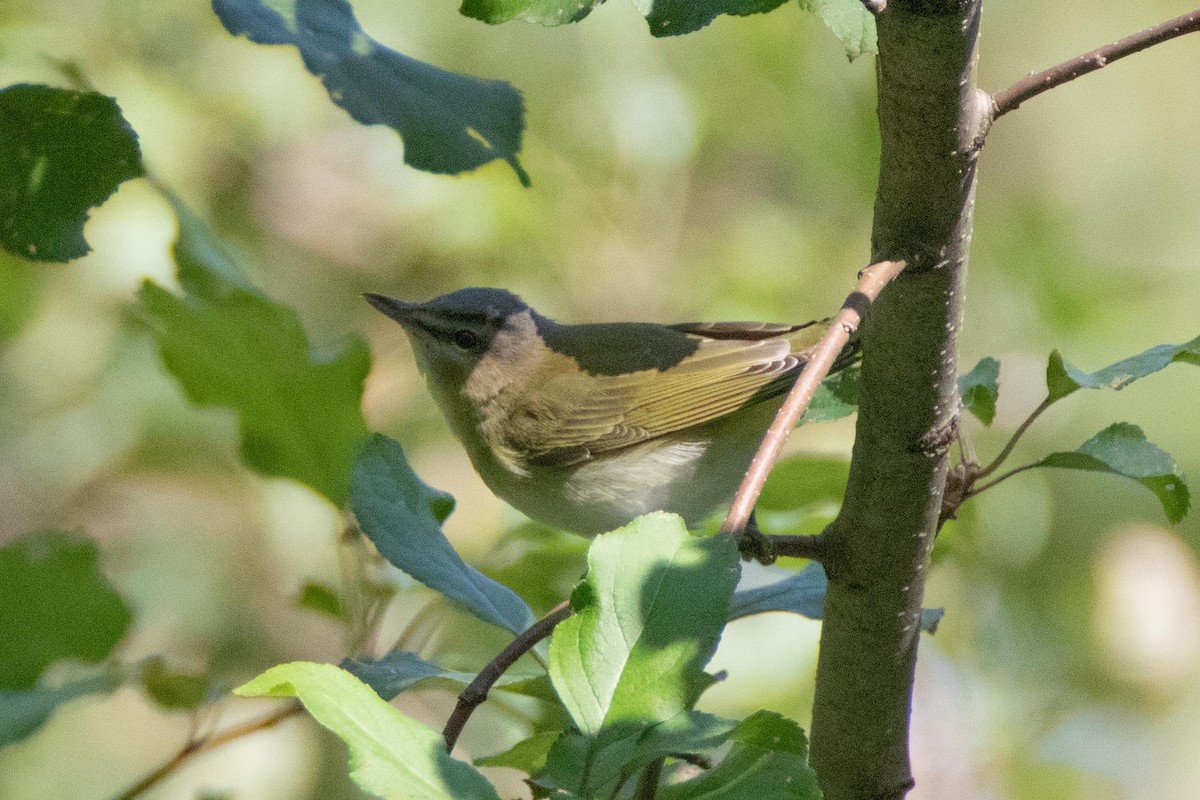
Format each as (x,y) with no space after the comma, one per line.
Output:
(1012,442)
(477,691)
(1033,85)
(195,747)
(870,284)
(647,787)
(812,547)
(975,490)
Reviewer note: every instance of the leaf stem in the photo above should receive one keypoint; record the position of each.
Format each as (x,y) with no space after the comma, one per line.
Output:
(1012,442)
(196,746)
(477,691)
(975,490)
(1038,82)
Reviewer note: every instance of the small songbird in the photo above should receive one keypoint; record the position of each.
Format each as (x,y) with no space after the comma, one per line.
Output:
(584,427)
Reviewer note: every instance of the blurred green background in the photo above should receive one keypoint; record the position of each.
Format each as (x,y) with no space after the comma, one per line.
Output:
(728,174)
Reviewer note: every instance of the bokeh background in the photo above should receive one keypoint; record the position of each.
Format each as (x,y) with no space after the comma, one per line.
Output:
(727,174)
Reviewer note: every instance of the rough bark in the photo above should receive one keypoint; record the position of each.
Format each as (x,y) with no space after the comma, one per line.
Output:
(932,118)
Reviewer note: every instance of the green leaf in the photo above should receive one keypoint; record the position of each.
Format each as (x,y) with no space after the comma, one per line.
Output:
(540,12)
(321,599)
(528,755)
(804,594)
(1122,449)
(804,481)
(450,123)
(768,761)
(207,265)
(403,518)
(1062,378)
(61,153)
(300,413)
(56,605)
(399,671)
(850,22)
(673,17)
(172,689)
(391,755)
(836,397)
(22,713)
(649,614)
(980,388)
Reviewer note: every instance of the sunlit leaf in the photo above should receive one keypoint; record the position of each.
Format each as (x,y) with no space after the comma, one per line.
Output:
(62,152)
(850,22)
(299,411)
(56,605)
(403,518)
(1122,449)
(541,12)
(449,122)
(391,754)
(980,388)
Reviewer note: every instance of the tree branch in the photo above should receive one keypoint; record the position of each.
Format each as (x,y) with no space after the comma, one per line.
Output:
(870,283)
(477,691)
(195,747)
(1033,85)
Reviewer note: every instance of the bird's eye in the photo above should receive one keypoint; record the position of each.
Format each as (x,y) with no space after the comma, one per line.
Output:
(467,340)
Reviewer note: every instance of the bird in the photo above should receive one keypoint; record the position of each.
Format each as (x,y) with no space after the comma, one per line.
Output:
(584,427)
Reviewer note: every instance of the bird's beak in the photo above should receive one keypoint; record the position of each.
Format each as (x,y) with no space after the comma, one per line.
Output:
(397,310)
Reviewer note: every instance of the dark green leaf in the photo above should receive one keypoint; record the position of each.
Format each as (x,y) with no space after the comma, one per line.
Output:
(391,755)
(979,389)
(450,123)
(836,397)
(849,21)
(649,615)
(399,671)
(61,153)
(56,604)
(1122,449)
(22,713)
(403,518)
(300,413)
(804,594)
(541,12)
(673,17)
(171,689)
(1063,378)
(321,599)
(768,761)
(528,755)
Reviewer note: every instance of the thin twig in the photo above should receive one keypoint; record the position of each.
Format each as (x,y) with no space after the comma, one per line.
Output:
(477,691)
(975,490)
(870,284)
(1033,85)
(983,472)
(812,547)
(195,747)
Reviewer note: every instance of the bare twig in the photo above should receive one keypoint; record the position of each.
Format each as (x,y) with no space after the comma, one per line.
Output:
(870,284)
(798,546)
(195,747)
(983,472)
(1033,85)
(477,691)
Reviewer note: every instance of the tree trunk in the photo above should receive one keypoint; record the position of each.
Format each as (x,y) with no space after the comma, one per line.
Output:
(932,118)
